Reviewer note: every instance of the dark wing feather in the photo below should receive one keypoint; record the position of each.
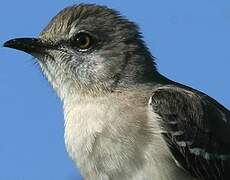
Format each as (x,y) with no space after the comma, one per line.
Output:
(197,131)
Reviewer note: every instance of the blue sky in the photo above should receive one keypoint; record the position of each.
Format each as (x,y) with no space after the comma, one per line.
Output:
(190,39)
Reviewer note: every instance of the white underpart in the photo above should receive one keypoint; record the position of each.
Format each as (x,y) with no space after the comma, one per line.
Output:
(106,139)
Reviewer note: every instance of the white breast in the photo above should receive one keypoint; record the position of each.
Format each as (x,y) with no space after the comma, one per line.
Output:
(111,139)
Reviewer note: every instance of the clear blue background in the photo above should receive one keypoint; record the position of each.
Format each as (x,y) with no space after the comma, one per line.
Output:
(191,40)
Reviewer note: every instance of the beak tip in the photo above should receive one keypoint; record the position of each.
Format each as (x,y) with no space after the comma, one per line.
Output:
(9,43)
(5,44)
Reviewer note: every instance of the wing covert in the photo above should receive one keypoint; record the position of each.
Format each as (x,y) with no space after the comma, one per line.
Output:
(197,131)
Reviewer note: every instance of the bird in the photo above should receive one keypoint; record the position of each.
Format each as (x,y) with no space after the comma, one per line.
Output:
(124,120)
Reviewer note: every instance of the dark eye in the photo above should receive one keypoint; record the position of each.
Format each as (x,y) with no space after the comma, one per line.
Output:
(82,41)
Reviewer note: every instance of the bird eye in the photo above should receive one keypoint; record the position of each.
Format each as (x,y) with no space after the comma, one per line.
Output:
(82,41)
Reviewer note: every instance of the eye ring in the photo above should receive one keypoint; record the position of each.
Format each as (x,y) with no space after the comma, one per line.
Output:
(83,41)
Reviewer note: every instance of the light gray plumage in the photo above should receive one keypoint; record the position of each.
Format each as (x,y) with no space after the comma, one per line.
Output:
(123,119)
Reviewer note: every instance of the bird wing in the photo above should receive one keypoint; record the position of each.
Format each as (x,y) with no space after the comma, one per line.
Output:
(196,129)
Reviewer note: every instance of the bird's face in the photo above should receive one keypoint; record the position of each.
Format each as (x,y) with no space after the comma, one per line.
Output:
(85,48)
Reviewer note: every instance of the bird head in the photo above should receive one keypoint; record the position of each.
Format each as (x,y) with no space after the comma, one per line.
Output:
(89,48)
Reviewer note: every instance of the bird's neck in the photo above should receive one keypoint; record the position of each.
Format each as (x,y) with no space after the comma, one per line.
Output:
(124,86)
(141,80)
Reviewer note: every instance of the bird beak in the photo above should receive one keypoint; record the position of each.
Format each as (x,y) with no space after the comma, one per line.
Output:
(28,45)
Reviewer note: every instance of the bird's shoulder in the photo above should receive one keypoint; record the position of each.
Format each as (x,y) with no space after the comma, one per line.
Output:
(196,129)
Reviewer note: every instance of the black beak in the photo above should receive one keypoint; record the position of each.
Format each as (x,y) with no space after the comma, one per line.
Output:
(28,45)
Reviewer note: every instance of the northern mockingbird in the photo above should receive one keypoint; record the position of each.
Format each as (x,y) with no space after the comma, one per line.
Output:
(123,119)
